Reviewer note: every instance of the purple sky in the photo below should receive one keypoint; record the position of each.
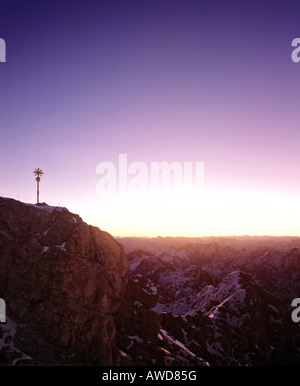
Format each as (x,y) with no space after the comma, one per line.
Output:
(207,81)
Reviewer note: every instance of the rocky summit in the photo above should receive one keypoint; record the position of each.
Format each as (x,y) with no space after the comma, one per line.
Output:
(63,282)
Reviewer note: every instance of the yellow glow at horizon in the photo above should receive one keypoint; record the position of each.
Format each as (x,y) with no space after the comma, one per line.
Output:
(213,212)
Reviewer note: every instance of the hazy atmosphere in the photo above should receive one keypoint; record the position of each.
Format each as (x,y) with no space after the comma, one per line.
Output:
(211,82)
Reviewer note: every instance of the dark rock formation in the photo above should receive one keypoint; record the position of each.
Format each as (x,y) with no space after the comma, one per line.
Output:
(237,323)
(210,310)
(139,334)
(63,282)
(137,325)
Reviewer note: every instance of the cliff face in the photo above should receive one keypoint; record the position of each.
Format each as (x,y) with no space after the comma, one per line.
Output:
(63,281)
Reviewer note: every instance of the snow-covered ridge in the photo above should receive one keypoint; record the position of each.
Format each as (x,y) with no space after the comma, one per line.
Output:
(7,341)
(48,208)
(222,300)
(272,261)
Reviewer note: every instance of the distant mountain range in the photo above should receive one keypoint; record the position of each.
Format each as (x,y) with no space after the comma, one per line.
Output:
(217,301)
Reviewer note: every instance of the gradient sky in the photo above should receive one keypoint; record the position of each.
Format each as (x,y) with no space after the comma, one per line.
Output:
(182,80)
